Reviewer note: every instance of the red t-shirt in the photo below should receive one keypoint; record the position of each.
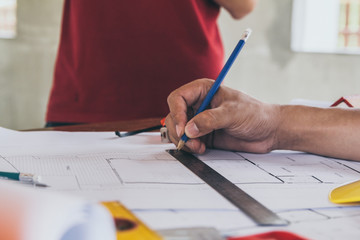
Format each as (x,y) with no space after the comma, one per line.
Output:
(119,60)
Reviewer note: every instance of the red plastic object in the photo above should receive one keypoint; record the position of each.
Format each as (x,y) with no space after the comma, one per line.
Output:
(350,101)
(273,235)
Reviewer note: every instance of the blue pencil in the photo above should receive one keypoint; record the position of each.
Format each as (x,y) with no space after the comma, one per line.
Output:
(218,81)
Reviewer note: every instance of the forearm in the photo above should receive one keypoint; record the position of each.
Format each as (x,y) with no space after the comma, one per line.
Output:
(331,132)
(237,8)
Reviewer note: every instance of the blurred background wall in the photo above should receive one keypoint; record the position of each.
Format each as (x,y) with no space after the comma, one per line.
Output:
(27,62)
(270,71)
(266,69)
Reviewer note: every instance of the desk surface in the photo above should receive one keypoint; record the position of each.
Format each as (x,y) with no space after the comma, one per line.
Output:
(138,172)
(129,125)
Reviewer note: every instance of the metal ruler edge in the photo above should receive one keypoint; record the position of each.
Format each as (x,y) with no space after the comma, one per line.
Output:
(247,204)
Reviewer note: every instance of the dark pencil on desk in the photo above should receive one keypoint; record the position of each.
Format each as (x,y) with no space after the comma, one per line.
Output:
(130,133)
(218,81)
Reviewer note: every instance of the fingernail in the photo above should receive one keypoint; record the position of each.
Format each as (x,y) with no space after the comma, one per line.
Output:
(192,130)
(177,130)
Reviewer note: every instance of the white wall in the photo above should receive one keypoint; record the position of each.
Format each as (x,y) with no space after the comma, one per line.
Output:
(266,68)
(26,64)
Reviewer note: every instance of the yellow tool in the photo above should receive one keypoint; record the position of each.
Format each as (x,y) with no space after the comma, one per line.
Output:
(128,226)
(348,193)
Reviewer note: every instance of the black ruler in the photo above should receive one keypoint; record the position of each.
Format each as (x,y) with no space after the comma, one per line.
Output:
(251,207)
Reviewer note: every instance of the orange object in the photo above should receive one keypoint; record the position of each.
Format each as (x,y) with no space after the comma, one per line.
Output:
(163,121)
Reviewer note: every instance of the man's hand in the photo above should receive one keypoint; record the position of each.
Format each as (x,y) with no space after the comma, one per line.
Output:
(234,121)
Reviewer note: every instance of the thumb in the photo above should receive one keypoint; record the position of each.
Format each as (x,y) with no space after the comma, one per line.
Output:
(204,123)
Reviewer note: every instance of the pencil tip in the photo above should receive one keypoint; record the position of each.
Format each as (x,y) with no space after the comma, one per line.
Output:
(180,145)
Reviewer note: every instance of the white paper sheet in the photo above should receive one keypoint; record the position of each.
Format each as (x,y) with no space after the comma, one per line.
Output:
(137,171)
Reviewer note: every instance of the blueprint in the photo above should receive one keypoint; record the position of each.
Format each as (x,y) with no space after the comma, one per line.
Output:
(138,172)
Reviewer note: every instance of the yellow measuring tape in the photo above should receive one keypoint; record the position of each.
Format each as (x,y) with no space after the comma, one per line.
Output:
(128,226)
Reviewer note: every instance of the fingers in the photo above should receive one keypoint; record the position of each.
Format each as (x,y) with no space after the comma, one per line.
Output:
(235,120)
(180,103)
(184,97)
(208,121)
(195,146)
(192,145)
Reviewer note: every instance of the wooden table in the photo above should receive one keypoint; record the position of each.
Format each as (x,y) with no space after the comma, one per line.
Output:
(129,125)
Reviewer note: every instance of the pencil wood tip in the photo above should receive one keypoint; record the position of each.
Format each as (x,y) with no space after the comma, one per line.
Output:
(180,145)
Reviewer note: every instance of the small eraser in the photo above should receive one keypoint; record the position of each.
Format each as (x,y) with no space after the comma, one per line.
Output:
(164,135)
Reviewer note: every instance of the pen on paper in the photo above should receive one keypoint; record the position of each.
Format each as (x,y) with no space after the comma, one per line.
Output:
(22,177)
(218,81)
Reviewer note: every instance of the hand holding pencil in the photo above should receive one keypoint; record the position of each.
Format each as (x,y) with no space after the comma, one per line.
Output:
(229,119)
(206,101)
(233,121)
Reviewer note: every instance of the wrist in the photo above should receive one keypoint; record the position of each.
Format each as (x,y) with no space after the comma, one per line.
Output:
(276,122)
(300,127)
(288,132)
